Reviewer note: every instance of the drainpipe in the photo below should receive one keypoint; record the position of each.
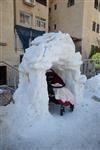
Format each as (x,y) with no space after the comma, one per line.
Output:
(14,11)
(14,3)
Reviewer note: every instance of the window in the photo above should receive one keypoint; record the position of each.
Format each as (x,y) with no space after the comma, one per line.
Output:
(40,22)
(98,26)
(96,4)
(3,44)
(94,26)
(49,28)
(99,6)
(92,48)
(43,2)
(49,10)
(70,3)
(55,26)
(55,6)
(29,2)
(25,18)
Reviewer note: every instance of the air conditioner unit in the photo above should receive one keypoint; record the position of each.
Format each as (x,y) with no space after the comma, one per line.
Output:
(30,2)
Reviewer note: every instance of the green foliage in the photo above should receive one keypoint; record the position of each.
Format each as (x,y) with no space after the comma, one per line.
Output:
(93,52)
(96,58)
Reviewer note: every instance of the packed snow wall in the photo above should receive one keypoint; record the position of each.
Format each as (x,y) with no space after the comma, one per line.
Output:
(52,50)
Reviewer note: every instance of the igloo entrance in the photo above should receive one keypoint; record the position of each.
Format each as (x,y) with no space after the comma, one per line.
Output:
(52,50)
(58,93)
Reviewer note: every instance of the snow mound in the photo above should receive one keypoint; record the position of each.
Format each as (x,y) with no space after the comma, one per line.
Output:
(29,118)
(52,50)
(93,84)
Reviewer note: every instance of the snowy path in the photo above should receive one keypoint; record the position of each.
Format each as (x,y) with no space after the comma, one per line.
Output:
(79,130)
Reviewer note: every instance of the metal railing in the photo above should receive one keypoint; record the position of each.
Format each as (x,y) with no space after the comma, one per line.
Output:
(90,67)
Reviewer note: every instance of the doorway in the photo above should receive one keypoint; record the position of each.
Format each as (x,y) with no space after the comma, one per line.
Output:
(3,75)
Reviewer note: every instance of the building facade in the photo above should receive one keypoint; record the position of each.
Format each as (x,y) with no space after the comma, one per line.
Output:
(79,18)
(20,22)
(7,51)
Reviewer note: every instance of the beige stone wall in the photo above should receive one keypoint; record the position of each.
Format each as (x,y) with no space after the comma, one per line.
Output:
(89,37)
(11,52)
(67,19)
(7,53)
(77,21)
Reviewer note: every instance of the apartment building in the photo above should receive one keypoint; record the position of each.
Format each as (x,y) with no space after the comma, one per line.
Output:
(79,18)
(31,20)
(7,51)
(20,22)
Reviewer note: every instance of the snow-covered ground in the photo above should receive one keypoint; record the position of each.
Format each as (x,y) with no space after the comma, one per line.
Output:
(78,130)
(28,125)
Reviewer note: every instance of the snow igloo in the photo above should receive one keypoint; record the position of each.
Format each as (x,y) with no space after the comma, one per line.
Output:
(52,50)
